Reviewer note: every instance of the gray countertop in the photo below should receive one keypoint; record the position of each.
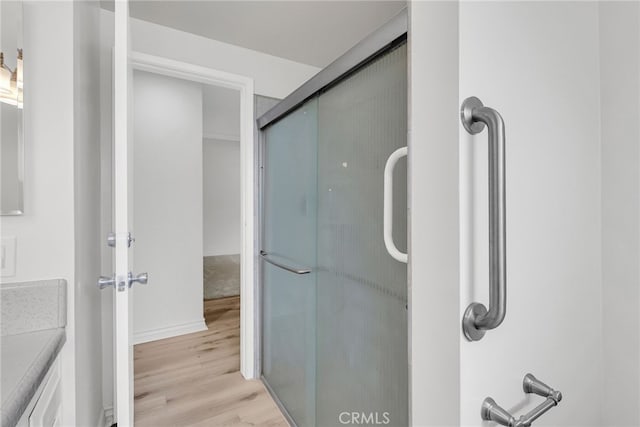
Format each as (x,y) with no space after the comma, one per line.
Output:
(26,359)
(32,328)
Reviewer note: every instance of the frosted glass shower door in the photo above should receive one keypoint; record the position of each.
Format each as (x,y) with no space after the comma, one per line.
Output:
(362,362)
(335,338)
(289,240)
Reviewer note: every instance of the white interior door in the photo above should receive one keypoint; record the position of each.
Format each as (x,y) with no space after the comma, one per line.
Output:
(123,221)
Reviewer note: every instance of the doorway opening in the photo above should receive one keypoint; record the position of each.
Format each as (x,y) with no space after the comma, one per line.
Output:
(193,203)
(221,193)
(244,86)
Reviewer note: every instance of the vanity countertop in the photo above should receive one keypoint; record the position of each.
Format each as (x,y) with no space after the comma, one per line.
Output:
(26,359)
(32,327)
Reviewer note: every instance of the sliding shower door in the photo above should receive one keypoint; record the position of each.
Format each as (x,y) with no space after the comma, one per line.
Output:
(334,301)
(361,290)
(289,258)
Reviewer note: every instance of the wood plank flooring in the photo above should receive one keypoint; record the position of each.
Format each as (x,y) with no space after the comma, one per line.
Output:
(195,380)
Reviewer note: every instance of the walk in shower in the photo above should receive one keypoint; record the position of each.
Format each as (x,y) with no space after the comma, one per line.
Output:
(334,302)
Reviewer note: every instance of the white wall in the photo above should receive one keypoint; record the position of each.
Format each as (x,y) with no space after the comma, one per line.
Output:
(167,205)
(57,236)
(45,232)
(538,65)
(221,164)
(620,95)
(221,113)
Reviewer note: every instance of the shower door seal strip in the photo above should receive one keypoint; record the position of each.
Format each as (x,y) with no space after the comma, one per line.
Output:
(389,35)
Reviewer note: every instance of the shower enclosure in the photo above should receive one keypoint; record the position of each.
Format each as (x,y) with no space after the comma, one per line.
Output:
(334,301)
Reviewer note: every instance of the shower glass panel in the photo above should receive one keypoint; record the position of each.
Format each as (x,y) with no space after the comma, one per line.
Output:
(335,339)
(361,290)
(289,239)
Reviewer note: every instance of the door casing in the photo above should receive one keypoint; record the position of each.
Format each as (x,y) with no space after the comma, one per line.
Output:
(249,327)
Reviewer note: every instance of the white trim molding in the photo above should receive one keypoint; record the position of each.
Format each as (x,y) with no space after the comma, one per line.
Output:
(221,136)
(248,301)
(168,332)
(434,211)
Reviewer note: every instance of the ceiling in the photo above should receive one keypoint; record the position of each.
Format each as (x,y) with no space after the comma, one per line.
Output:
(306,31)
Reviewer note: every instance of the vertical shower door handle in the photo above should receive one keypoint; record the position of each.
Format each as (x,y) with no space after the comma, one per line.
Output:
(388,205)
(477,318)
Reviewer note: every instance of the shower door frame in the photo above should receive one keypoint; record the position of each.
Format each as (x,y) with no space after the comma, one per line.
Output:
(392,33)
(388,36)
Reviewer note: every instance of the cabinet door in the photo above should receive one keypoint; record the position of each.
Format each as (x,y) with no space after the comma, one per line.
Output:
(46,412)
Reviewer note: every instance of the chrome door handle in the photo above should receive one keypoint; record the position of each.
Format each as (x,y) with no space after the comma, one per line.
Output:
(105,282)
(265,256)
(477,319)
(141,278)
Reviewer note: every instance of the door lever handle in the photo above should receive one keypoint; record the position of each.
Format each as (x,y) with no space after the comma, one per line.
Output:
(105,282)
(142,278)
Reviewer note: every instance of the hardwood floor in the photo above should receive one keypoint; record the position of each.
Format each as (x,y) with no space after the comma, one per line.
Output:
(195,380)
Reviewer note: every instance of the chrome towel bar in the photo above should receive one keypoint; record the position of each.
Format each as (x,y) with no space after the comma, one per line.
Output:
(265,256)
(491,411)
(477,319)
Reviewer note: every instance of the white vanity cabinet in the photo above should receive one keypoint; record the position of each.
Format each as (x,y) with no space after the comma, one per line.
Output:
(45,408)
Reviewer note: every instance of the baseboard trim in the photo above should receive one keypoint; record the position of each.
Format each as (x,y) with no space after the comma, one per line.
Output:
(168,332)
(107,417)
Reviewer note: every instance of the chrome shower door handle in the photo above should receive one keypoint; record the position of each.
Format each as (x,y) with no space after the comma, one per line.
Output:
(387,218)
(477,318)
(265,256)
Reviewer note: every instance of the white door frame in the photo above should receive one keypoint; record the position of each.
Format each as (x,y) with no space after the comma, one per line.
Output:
(249,321)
